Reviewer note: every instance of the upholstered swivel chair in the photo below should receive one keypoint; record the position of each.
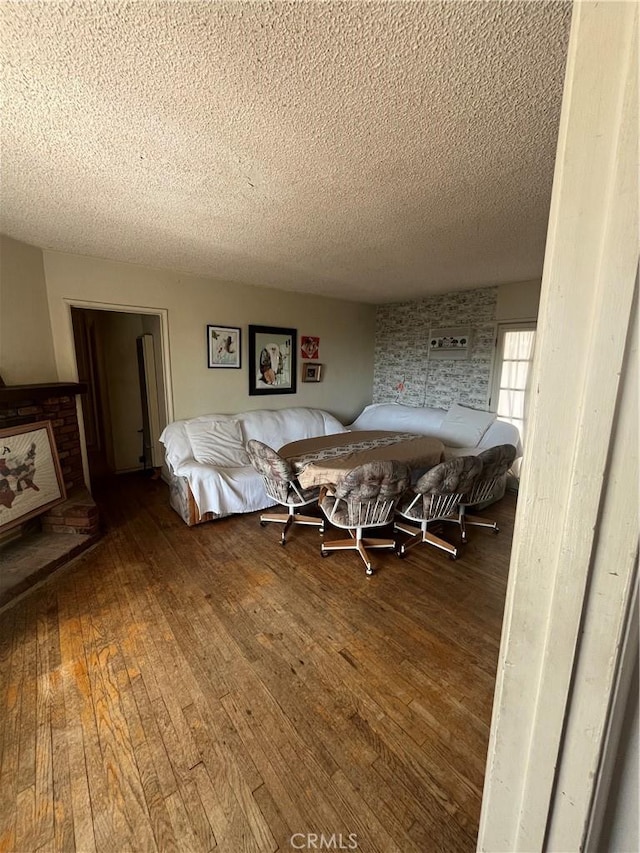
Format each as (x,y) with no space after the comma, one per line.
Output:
(496,461)
(365,498)
(435,497)
(282,485)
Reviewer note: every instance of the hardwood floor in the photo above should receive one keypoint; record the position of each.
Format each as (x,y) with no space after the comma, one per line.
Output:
(198,689)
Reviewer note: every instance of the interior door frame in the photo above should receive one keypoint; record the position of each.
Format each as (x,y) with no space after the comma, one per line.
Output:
(572,573)
(122,308)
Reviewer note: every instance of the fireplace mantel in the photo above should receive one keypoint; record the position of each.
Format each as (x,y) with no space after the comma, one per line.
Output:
(37,548)
(15,393)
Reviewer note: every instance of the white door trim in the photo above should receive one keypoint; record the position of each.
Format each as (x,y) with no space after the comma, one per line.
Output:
(162,313)
(576,533)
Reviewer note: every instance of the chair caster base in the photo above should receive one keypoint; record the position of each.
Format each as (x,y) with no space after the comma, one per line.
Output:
(401,554)
(263,524)
(324,553)
(369,571)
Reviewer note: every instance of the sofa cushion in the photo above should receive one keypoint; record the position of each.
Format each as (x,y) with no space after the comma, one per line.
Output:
(218,442)
(501,432)
(464,427)
(422,420)
(281,426)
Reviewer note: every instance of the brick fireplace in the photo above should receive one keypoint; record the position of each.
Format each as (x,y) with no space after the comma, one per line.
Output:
(43,544)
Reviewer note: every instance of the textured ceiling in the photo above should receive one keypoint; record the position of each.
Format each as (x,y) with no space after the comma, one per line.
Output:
(373,151)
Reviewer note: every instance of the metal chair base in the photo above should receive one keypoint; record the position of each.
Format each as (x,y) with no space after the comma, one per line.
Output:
(289,519)
(474,521)
(357,543)
(479,521)
(420,536)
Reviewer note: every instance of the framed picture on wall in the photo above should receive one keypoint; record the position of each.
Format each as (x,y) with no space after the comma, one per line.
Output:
(224,346)
(311,372)
(450,343)
(309,346)
(272,360)
(30,477)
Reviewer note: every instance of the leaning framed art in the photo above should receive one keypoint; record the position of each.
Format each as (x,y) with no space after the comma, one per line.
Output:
(30,477)
(272,360)
(224,346)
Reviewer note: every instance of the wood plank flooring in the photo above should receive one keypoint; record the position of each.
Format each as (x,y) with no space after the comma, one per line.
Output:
(203,689)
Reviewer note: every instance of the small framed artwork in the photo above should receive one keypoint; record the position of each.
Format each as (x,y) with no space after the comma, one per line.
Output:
(309,347)
(224,346)
(272,360)
(450,343)
(311,372)
(30,477)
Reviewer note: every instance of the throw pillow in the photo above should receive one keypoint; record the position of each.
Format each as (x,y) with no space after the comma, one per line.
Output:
(218,443)
(463,427)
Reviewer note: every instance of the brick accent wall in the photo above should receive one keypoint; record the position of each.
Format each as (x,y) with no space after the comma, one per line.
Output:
(34,549)
(33,404)
(403,370)
(61,411)
(78,514)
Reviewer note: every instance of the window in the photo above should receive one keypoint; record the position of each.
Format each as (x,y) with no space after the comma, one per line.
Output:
(514,355)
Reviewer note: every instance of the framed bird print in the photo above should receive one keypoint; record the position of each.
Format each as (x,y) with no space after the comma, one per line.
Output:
(224,346)
(272,360)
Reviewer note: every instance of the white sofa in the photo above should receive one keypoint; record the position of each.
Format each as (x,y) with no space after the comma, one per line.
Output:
(210,476)
(207,467)
(464,431)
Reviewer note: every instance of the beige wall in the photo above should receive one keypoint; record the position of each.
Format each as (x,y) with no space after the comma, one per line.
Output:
(26,343)
(346,332)
(518,301)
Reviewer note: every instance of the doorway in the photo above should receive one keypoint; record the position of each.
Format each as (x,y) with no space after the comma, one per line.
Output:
(118,354)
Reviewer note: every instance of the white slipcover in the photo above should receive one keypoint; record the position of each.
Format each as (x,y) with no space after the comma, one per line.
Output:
(426,420)
(226,490)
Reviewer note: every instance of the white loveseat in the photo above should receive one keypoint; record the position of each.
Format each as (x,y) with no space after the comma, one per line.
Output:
(207,466)
(463,431)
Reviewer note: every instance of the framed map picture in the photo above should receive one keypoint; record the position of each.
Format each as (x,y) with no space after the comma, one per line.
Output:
(30,477)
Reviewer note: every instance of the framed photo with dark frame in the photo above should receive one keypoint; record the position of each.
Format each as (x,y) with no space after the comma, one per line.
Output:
(31,480)
(224,346)
(272,360)
(311,372)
